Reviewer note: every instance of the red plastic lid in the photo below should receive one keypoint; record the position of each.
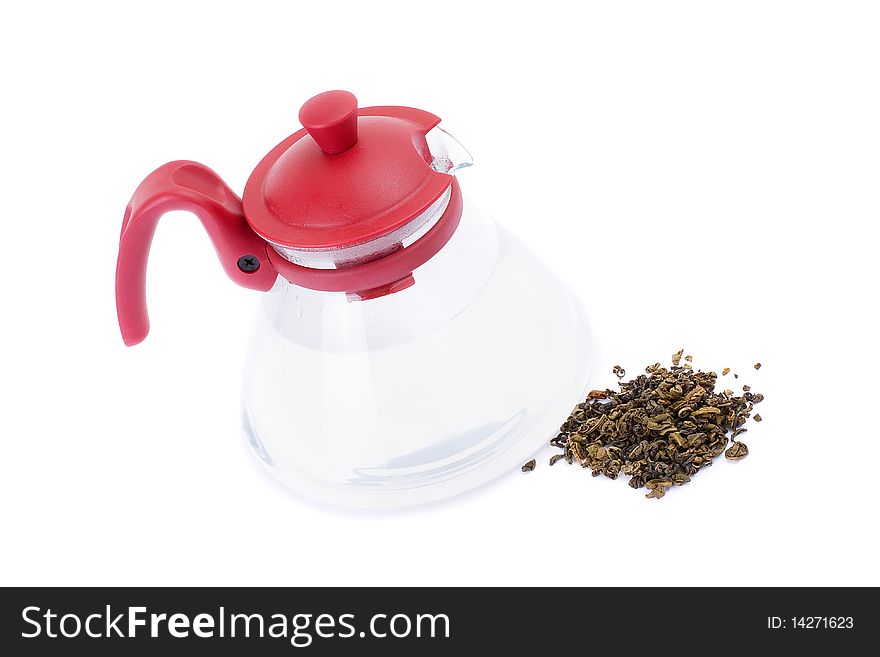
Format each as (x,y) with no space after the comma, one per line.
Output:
(349,176)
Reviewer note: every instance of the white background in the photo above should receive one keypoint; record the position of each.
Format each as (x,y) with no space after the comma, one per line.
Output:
(706,176)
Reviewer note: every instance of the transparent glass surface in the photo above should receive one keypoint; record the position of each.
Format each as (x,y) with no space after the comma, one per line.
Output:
(421,394)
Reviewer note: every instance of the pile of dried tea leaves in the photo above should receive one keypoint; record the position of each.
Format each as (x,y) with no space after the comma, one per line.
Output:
(660,429)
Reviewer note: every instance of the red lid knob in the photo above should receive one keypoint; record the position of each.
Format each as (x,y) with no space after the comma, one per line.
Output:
(331,120)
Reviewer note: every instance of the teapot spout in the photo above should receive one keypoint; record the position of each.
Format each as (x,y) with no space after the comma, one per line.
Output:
(447,153)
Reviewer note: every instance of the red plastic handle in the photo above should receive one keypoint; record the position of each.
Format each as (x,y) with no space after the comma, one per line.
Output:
(190,186)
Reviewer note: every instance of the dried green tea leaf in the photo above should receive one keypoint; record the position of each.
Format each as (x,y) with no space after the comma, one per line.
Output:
(676,357)
(737,451)
(725,371)
(757,417)
(619,372)
(757,366)
(528,467)
(555,458)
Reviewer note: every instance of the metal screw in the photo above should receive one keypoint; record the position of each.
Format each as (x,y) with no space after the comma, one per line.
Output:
(249,263)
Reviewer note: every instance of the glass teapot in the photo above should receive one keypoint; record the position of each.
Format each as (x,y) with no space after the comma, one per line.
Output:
(407,348)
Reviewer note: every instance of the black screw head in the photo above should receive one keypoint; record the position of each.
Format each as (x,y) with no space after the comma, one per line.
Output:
(249,263)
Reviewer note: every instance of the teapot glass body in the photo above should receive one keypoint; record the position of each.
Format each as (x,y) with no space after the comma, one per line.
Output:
(421,394)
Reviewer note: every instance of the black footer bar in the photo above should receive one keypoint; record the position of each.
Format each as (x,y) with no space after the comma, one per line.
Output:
(428,621)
